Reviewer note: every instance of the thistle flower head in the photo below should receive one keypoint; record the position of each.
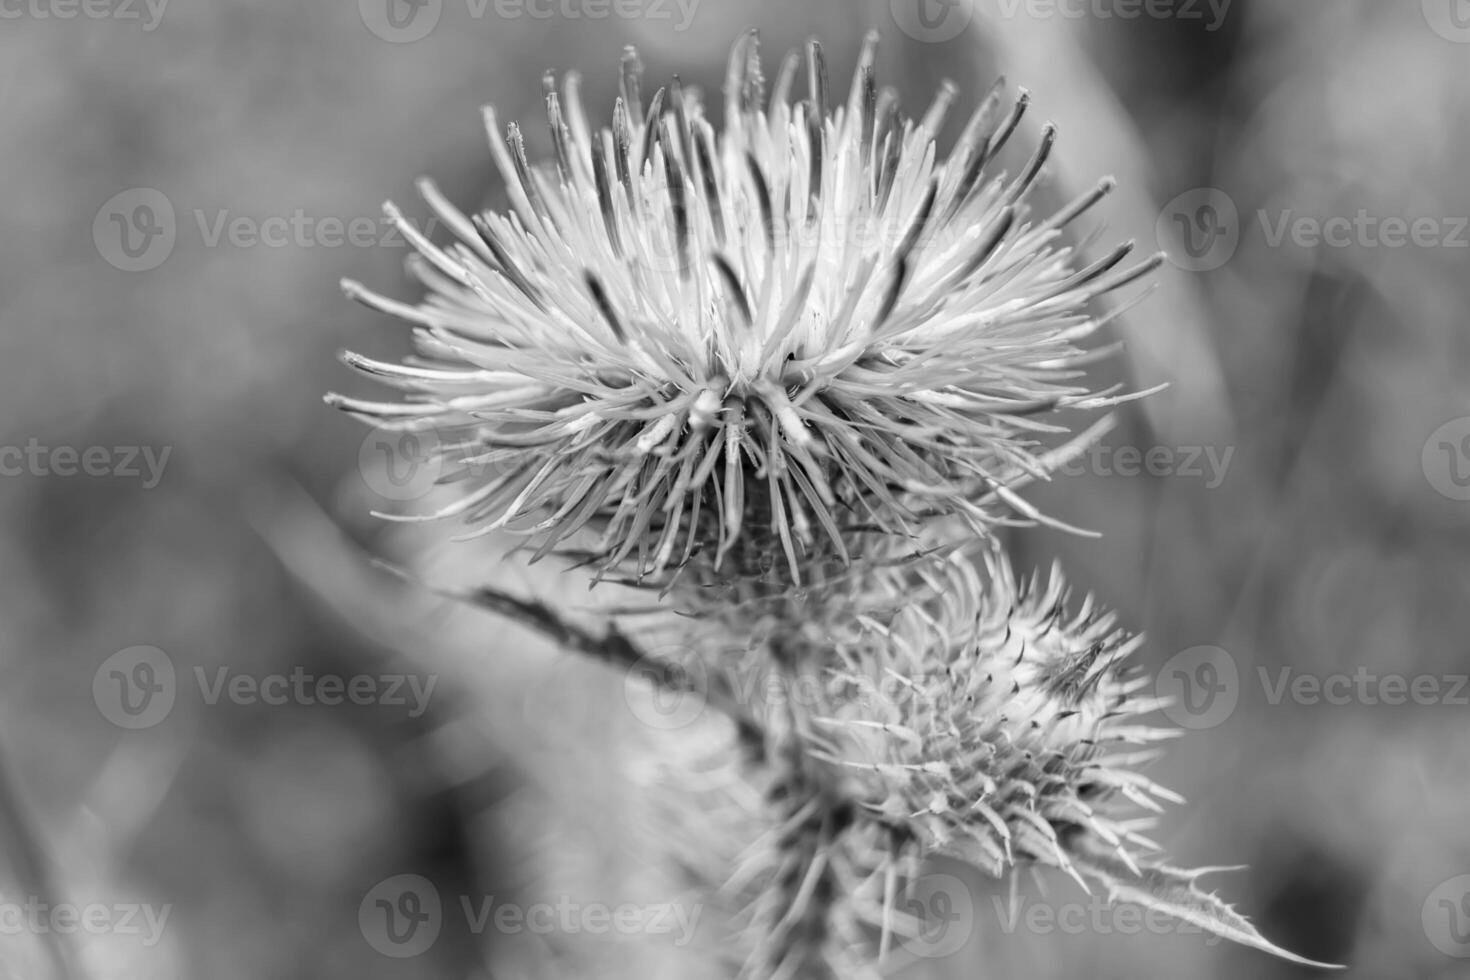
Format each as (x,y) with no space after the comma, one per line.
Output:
(803,322)
(1012,725)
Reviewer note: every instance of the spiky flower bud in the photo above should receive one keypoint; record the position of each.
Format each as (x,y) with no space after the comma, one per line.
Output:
(1008,724)
(687,341)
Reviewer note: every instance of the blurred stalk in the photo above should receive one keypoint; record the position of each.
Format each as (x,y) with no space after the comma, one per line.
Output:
(1168,337)
(34,872)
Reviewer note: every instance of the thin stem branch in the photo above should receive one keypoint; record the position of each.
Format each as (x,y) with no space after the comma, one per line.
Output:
(614,649)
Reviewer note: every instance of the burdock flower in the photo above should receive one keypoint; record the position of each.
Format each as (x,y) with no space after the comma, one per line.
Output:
(804,323)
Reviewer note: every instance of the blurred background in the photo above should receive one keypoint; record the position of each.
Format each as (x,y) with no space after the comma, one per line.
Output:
(185,182)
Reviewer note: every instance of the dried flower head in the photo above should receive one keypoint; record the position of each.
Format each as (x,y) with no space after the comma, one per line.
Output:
(803,323)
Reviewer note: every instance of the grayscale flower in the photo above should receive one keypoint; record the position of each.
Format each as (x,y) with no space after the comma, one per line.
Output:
(805,322)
